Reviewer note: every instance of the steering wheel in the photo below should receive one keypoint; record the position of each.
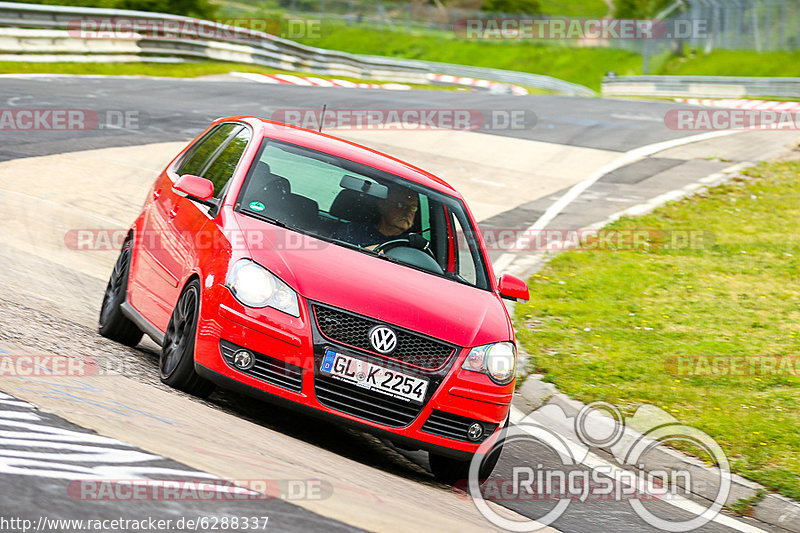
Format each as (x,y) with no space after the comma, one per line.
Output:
(414,240)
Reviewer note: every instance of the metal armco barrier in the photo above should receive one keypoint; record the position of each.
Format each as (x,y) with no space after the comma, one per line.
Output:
(44,31)
(700,86)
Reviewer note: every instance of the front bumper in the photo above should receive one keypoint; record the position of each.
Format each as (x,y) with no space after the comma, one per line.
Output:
(287,371)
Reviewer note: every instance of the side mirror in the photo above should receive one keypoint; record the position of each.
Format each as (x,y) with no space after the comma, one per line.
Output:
(512,288)
(195,188)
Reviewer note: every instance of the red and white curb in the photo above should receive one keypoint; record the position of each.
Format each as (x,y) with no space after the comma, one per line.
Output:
(481,84)
(756,105)
(310,81)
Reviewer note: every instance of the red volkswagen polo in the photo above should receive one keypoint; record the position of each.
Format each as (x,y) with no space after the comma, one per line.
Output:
(303,268)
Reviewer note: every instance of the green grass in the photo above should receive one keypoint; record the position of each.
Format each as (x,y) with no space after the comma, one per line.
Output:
(735,63)
(602,325)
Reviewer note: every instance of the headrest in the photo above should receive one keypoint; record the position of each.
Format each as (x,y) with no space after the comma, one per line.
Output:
(353,205)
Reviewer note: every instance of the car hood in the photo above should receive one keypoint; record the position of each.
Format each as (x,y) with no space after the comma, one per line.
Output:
(348,279)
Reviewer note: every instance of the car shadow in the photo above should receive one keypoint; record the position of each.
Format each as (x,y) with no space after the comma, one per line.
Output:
(348,442)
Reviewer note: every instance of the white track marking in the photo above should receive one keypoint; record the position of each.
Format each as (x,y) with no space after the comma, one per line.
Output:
(505,260)
(14,403)
(72,455)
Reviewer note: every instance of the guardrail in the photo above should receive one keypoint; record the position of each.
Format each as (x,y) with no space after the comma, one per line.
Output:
(700,86)
(53,31)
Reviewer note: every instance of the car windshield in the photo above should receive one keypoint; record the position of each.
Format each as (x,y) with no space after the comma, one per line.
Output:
(363,208)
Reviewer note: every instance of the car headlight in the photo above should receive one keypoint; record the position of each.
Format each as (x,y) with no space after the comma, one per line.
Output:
(255,286)
(498,361)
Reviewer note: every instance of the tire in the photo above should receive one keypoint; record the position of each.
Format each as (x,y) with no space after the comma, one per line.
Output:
(112,324)
(450,471)
(176,364)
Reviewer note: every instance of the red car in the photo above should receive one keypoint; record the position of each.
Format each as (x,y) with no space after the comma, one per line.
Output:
(299,267)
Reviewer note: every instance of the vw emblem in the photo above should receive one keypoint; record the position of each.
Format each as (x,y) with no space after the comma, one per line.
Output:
(383,339)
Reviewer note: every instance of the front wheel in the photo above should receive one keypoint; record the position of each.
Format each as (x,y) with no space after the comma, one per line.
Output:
(176,364)
(112,324)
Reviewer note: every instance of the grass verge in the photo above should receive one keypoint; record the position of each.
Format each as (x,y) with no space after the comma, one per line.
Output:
(734,63)
(585,66)
(608,325)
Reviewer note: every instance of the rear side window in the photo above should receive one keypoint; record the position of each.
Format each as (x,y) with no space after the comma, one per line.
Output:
(204,149)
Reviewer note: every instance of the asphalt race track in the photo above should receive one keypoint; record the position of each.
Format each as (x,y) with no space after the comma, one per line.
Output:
(125,424)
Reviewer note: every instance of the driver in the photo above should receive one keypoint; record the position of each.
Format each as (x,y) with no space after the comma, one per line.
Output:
(397,212)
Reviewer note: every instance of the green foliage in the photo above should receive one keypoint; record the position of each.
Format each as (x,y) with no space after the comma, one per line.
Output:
(571,8)
(632,9)
(192,8)
(526,7)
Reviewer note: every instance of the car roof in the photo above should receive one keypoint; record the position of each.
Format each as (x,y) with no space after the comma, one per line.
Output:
(345,149)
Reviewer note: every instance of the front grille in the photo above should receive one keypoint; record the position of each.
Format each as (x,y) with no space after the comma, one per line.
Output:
(353,330)
(273,371)
(454,427)
(362,403)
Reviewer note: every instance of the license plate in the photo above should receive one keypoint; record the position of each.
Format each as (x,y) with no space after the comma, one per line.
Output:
(374,377)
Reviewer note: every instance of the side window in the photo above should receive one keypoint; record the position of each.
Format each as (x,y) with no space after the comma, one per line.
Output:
(200,153)
(221,170)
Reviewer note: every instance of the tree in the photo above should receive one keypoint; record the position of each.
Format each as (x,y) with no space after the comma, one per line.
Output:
(191,8)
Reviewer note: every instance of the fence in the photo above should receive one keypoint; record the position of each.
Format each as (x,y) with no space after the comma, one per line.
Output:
(760,25)
(700,86)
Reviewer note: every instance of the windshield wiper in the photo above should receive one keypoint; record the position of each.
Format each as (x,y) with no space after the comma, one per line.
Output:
(266,218)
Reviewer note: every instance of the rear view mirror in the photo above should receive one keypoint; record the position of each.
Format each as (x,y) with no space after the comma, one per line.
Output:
(513,288)
(364,186)
(195,188)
